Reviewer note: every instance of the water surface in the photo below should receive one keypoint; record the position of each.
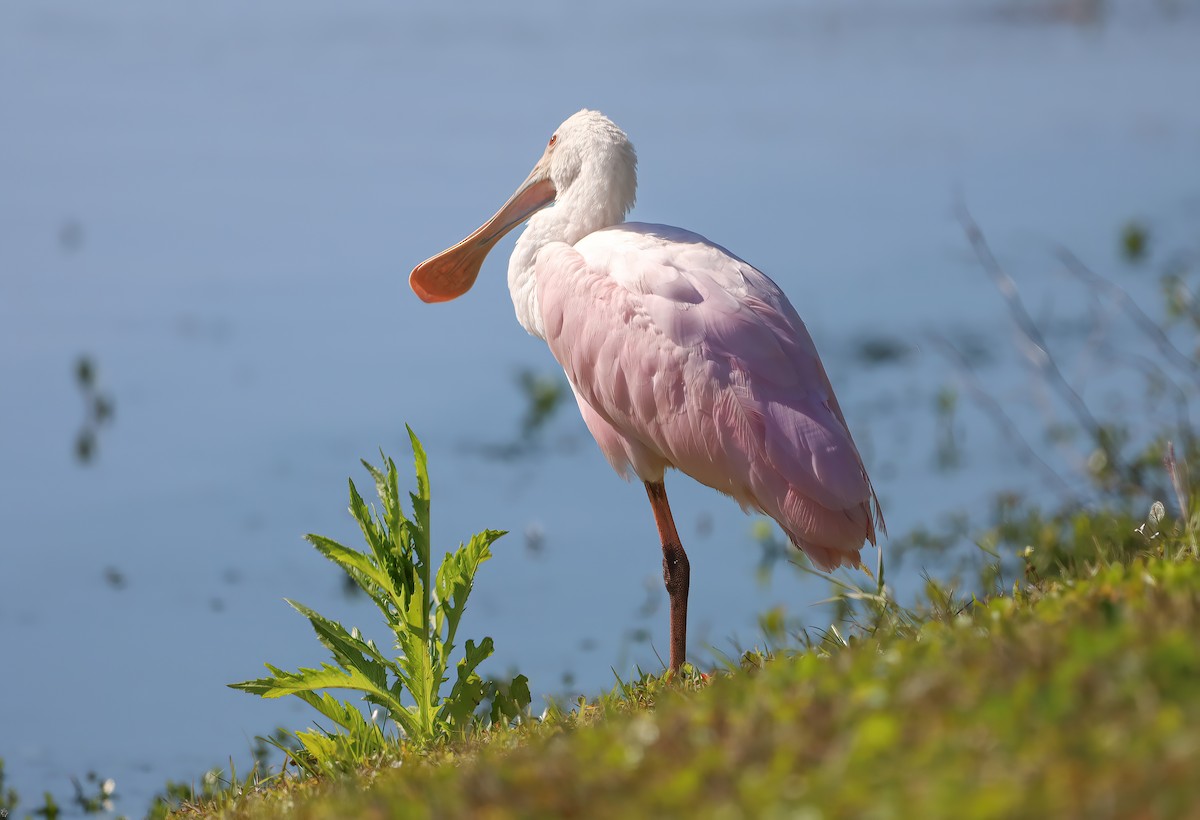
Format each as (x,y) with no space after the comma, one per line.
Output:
(219,207)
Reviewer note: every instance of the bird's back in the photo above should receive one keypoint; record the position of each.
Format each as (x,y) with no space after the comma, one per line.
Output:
(683,355)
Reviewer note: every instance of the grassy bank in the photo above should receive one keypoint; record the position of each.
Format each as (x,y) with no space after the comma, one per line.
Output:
(1075,696)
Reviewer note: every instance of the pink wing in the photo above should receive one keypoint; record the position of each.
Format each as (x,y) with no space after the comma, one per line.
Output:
(682,355)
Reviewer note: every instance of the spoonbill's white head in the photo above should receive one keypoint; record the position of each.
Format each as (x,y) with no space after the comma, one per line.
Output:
(588,171)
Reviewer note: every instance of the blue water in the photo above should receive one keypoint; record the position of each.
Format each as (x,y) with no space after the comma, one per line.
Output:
(220,204)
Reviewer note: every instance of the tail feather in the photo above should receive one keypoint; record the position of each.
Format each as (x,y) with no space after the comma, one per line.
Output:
(830,538)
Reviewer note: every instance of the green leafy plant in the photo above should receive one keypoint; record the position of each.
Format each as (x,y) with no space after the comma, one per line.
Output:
(423,608)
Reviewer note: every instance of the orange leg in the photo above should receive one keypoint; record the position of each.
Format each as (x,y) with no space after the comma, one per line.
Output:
(676,571)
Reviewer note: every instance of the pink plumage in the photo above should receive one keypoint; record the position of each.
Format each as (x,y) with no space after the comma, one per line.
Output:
(680,354)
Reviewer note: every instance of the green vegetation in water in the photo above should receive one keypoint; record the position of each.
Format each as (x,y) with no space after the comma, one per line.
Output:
(423,609)
(96,797)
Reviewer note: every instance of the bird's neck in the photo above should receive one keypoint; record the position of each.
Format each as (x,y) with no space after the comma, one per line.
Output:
(573,216)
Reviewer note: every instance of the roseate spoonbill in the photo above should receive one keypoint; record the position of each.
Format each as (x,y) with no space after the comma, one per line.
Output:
(679,353)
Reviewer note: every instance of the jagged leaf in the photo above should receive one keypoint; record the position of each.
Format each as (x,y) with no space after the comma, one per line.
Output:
(349,651)
(370,526)
(420,499)
(455,579)
(310,680)
(509,702)
(357,565)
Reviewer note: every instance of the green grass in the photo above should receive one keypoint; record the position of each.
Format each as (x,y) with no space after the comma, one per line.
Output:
(1077,696)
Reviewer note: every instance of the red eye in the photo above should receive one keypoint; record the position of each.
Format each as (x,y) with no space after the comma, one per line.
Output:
(553,140)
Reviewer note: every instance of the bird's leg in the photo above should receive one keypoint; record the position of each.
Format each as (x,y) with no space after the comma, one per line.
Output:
(676,570)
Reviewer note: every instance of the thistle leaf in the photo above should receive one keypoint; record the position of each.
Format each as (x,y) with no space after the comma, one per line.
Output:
(359,567)
(468,691)
(349,651)
(420,499)
(309,680)
(371,530)
(456,578)
(509,702)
